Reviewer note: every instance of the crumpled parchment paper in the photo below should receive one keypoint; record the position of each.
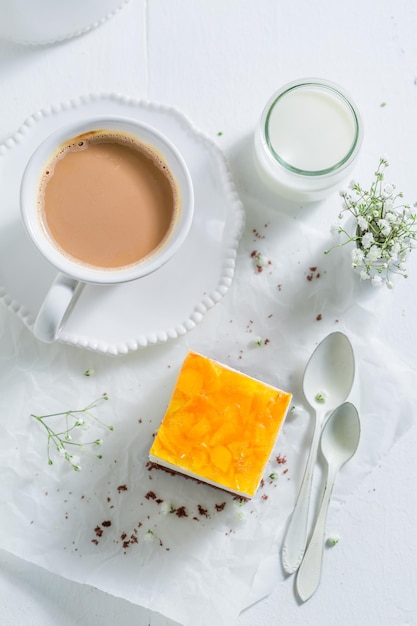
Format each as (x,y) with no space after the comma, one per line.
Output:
(186,550)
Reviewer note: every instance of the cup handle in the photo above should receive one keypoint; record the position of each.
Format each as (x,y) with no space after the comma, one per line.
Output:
(59,302)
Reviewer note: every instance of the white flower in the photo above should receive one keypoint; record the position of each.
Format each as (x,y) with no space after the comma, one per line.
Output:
(357,256)
(388,190)
(395,250)
(166,508)
(390,217)
(374,253)
(376,281)
(239,510)
(332,541)
(261,260)
(385,227)
(367,240)
(149,536)
(362,222)
(384,234)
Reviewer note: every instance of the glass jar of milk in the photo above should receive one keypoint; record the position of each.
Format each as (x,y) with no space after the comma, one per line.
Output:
(308,139)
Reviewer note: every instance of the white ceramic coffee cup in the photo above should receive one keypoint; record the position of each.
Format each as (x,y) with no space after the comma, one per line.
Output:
(73,275)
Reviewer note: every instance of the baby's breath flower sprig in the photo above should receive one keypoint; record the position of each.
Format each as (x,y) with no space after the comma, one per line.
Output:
(384,231)
(62,439)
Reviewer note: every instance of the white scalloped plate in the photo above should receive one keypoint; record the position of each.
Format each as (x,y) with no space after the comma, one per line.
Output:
(47,22)
(122,318)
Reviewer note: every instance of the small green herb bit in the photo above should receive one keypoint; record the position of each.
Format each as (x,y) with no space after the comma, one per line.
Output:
(332,541)
(62,438)
(321,397)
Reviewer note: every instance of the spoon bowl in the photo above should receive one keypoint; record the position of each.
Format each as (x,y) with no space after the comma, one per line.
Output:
(339,442)
(327,382)
(329,373)
(340,436)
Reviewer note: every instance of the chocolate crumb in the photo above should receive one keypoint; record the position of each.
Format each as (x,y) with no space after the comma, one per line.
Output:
(181,512)
(220,507)
(319,317)
(121,488)
(202,511)
(106,524)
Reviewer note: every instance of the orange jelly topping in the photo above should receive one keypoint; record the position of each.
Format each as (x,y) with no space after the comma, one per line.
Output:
(220,425)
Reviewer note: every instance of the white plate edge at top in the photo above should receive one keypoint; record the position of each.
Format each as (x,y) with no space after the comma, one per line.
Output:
(81,29)
(229,261)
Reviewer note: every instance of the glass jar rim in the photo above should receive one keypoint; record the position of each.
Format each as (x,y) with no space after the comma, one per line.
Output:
(333,89)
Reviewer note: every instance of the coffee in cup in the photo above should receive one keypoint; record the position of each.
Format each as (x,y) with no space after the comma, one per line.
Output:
(105,201)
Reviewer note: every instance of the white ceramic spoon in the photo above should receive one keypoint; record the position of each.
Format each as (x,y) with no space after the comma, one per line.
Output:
(339,441)
(327,382)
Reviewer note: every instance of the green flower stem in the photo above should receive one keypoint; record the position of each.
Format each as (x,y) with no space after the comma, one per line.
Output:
(63,439)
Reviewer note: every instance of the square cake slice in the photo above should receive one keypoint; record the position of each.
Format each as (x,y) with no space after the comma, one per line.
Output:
(220,426)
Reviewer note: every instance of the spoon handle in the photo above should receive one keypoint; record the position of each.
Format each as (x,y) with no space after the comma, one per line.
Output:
(309,574)
(296,536)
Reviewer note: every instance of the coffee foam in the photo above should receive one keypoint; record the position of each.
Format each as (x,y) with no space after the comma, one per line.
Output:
(81,142)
